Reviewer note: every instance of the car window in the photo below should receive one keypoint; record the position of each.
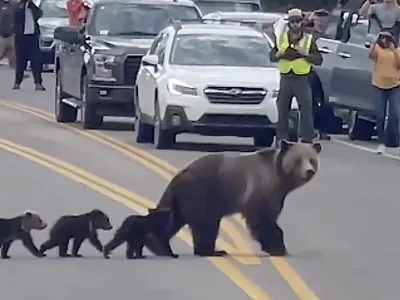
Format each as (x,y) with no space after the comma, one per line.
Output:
(54,9)
(156,41)
(220,50)
(358,33)
(137,19)
(211,6)
(160,50)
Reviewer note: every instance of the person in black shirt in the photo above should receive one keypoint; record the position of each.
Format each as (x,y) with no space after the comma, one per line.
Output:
(7,8)
(26,36)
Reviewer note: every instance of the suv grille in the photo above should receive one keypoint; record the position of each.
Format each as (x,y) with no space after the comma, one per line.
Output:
(235,95)
(131,68)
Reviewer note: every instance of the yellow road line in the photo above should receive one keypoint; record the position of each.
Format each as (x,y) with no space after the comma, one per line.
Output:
(299,287)
(129,199)
(165,170)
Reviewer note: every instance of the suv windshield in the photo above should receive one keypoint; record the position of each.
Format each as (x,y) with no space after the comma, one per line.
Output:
(138,19)
(54,9)
(211,6)
(221,50)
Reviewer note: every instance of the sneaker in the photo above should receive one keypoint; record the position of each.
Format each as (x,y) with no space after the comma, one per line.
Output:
(39,87)
(16,86)
(381,148)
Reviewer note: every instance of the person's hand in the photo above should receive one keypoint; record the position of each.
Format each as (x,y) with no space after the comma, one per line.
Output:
(301,50)
(280,53)
(391,46)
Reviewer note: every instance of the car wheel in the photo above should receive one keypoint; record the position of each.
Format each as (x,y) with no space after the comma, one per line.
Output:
(89,117)
(145,132)
(163,139)
(359,129)
(265,140)
(64,112)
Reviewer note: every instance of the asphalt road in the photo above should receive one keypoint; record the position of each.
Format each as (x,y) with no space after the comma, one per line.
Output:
(341,229)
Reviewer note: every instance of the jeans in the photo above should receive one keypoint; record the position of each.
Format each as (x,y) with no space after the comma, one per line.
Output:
(385,98)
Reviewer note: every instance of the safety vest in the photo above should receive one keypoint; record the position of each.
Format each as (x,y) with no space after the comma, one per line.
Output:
(299,66)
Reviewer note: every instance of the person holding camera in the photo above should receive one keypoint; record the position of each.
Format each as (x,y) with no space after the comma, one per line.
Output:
(296,52)
(26,39)
(386,81)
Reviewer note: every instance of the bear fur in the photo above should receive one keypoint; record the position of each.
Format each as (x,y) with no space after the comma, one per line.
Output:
(135,230)
(255,185)
(19,228)
(79,228)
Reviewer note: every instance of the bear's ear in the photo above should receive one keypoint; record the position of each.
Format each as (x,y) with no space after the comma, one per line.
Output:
(317,147)
(28,214)
(285,145)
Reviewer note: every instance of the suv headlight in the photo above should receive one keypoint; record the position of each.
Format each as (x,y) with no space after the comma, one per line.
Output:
(103,65)
(177,87)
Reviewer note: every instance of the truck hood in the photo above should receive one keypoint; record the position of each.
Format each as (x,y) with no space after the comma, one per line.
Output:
(127,44)
(227,76)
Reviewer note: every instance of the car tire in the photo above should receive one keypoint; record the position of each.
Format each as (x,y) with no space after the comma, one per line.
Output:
(265,140)
(163,139)
(145,132)
(359,129)
(64,113)
(89,117)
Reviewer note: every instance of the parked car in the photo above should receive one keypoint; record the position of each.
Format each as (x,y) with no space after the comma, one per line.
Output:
(96,70)
(55,14)
(208,6)
(209,79)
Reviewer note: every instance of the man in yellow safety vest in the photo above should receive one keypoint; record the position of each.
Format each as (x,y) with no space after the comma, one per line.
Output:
(296,52)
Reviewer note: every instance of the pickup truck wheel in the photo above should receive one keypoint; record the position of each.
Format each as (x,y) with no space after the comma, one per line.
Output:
(265,139)
(89,117)
(163,139)
(359,129)
(64,112)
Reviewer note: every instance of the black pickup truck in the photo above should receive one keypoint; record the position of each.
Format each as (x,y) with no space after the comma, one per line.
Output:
(96,66)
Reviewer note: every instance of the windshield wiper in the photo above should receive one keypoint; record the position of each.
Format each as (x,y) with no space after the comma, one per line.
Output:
(132,33)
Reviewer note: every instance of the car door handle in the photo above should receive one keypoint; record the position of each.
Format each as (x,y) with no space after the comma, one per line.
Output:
(324,50)
(344,54)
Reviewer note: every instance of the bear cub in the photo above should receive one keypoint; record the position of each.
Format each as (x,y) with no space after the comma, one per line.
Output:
(19,228)
(136,229)
(79,228)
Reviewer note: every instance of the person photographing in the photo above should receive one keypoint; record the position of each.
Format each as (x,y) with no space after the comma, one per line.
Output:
(296,52)
(26,40)
(386,82)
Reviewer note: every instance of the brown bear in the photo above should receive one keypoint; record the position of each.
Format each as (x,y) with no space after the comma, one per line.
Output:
(255,185)
(19,228)
(79,228)
(135,229)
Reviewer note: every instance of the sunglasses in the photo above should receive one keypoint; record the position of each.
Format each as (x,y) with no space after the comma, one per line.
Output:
(295,21)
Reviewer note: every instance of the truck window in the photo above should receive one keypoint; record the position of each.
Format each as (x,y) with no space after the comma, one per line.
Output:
(211,6)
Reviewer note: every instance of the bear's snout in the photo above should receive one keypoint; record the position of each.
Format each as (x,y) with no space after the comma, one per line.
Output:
(44,225)
(310,173)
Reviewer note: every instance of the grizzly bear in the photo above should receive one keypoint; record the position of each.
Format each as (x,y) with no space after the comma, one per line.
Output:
(255,185)
(19,228)
(135,229)
(79,228)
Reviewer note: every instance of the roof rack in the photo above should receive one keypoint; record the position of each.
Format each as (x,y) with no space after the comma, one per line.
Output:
(253,24)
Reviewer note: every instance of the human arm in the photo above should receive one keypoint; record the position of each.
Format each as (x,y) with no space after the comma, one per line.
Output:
(275,54)
(372,52)
(396,52)
(36,11)
(366,9)
(313,56)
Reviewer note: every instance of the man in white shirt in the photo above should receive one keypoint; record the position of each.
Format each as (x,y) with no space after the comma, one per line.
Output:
(26,30)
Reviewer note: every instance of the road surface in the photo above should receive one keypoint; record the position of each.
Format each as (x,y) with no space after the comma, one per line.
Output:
(341,229)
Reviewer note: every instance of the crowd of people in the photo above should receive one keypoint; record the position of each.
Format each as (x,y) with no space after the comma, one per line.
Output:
(295,52)
(19,35)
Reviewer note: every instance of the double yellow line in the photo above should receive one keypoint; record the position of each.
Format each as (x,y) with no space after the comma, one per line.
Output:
(167,171)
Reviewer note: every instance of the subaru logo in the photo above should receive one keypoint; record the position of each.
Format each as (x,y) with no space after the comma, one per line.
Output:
(235,92)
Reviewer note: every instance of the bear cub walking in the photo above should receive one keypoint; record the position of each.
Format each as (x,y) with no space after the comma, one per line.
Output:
(19,228)
(79,228)
(136,229)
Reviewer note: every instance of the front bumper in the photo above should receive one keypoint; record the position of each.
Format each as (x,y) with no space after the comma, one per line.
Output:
(176,120)
(112,100)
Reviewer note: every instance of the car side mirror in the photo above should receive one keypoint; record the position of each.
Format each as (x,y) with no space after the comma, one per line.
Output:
(150,60)
(69,35)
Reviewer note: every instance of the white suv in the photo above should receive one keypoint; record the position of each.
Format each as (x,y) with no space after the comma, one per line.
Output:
(210,79)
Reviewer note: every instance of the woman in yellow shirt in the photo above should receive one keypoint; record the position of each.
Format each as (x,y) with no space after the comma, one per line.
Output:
(386,80)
